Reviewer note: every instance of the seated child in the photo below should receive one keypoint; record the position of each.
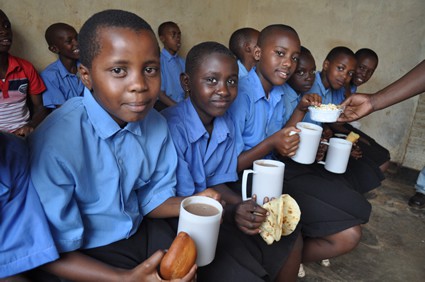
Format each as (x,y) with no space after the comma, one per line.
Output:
(20,85)
(204,137)
(61,77)
(338,69)
(331,211)
(242,43)
(172,65)
(25,237)
(367,62)
(106,188)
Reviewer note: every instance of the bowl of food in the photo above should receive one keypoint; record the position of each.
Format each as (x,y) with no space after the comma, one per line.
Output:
(325,112)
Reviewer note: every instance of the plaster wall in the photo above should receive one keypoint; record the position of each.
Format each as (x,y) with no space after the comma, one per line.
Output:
(394,29)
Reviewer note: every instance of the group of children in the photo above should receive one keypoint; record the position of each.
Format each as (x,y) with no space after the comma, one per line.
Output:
(110,171)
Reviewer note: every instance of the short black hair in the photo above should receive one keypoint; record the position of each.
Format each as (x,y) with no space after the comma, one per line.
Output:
(88,38)
(366,52)
(201,50)
(271,30)
(340,50)
(164,25)
(238,38)
(52,30)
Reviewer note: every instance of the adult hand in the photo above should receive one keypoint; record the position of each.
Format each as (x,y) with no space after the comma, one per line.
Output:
(356,106)
(147,271)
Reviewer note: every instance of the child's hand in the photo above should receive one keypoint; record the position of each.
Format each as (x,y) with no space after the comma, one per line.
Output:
(249,216)
(309,100)
(147,271)
(23,131)
(321,151)
(286,141)
(356,151)
(211,193)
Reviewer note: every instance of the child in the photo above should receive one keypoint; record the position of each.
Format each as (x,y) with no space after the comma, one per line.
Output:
(172,65)
(19,84)
(61,77)
(204,134)
(104,164)
(25,237)
(242,43)
(367,62)
(331,211)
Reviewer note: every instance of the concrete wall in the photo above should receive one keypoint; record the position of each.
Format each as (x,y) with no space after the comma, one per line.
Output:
(394,29)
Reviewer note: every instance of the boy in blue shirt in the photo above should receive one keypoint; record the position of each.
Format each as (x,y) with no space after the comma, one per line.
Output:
(104,164)
(25,239)
(330,223)
(204,136)
(242,43)
(61,77)
(172,65)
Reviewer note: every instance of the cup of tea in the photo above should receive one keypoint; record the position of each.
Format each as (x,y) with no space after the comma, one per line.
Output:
(200,217)
(337,156)
(309,142)
(267,180)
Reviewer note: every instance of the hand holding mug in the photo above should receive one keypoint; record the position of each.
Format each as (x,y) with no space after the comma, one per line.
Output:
(249,216)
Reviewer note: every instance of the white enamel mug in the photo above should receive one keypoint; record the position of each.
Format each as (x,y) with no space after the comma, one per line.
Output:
(337,156)
(309,142)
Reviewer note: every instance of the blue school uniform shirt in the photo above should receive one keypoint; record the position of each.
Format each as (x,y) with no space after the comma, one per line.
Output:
(25,239)
(61,85)
(171,68)
(256,117)
(97,181)
(242,70)
(204,160)
(291,99)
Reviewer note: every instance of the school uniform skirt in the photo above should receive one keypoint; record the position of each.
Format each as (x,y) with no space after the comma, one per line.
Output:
(329,203)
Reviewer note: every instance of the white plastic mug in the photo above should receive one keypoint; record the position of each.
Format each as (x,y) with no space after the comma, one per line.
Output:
(338,154)
(203,229)
(267,180)
(309,142)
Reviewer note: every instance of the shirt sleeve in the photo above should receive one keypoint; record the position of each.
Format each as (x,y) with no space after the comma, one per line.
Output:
(36,84)
(53,94)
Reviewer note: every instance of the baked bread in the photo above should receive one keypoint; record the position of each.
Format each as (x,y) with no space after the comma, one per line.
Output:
(352,137)
(283,218)
(179,259)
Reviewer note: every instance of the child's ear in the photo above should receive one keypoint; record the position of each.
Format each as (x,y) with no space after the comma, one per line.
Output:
(184,81)
(54,49)
(85,76)
(257,53)
(247,47)
(325,65)
(162,38)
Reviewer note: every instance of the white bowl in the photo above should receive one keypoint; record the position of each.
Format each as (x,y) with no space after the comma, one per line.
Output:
(325,115)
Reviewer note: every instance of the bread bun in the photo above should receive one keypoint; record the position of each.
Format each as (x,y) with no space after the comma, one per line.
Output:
(179,259)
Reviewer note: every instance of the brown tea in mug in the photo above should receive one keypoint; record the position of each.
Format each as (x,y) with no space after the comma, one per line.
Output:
(201,209)
(266,164)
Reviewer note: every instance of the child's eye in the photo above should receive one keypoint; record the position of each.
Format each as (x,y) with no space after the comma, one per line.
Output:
(339,68)
(295,59)
(279,53)
(351,73)
(300,73)
(232,82)
(212,80)
(118,71)
(151,70)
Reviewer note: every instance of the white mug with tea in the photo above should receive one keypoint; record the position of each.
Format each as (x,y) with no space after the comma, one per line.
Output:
(267,180)
(200,217)
(309,142)
(337,156)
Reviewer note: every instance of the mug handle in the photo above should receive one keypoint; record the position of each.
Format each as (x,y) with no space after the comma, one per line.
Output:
(244,180)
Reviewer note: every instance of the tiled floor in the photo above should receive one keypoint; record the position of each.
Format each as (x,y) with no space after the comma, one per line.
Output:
(393,243)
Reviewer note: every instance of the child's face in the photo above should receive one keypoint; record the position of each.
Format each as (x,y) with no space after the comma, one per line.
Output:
(366,66)
(278,58)
(303,78)
(213,86)
(125,75)
(339,71)
(171,39)
(5,33)
(66,43)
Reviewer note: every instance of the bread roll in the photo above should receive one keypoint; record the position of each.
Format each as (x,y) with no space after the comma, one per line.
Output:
(352,137)
(179,259)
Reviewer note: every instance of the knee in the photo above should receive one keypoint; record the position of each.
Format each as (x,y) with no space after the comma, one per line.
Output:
(352,237)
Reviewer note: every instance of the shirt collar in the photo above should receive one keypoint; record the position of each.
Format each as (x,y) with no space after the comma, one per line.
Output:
(196,128)
(62,70)
(275,94)
(168,55)
(13,65)
(101,120)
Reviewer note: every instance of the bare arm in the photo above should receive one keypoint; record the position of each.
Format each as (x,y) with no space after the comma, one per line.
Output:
(76,266)
(409,85)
